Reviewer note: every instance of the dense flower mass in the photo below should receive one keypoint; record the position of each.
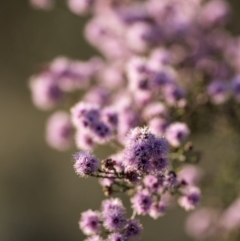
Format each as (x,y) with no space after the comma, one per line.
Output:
(166,67)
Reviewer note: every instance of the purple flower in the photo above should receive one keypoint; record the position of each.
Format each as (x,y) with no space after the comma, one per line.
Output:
(112,204)
(159,164)
(110,117)
(159,147)
(85,115)
(171,180)
(190,198)
(90,222)
(101,132)
(158,209)
(84,140)
(135,36)
(176,133)
(59,131)
(114,220)
(133,229)
(159,57)
(98,95)
(139,135)
(116,237)
(138,157)
(85,163)
(218,92)
(46,93)
(110,73)
(230,218)
(164,76)
(173,94)
(153,183)
(142,202)
(127,120)
(158,126)
(70,75)
(154,109)
(201,223)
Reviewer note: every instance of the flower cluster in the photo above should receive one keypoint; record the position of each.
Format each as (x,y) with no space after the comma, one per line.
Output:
(111,218)
(143,168)
(164,65)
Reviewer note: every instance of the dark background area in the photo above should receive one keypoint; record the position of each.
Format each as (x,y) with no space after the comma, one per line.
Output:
(40,196)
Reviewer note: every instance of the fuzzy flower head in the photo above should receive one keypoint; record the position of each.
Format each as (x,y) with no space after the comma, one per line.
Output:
(159,164)
(138,135)
(137,157)
(85,163)
(85,115)
(101,132)
(158,209)
(144,151)
(190,199)
(133,229)
(112,204)
(90,222)
(176,133)
(142,202)
(153,183)
(114,220)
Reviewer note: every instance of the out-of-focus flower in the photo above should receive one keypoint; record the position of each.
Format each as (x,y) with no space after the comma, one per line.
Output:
(190,199)
(176,133)
(230,219)
(59,131)
(46,93)
(133,229)
(90,222)
(218,92)
(201,223)
(142,202)
(158,209)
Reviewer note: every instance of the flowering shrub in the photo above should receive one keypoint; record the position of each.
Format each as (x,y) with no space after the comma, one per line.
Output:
(164,67)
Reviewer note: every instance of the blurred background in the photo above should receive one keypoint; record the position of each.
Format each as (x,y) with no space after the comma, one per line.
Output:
(41,198)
